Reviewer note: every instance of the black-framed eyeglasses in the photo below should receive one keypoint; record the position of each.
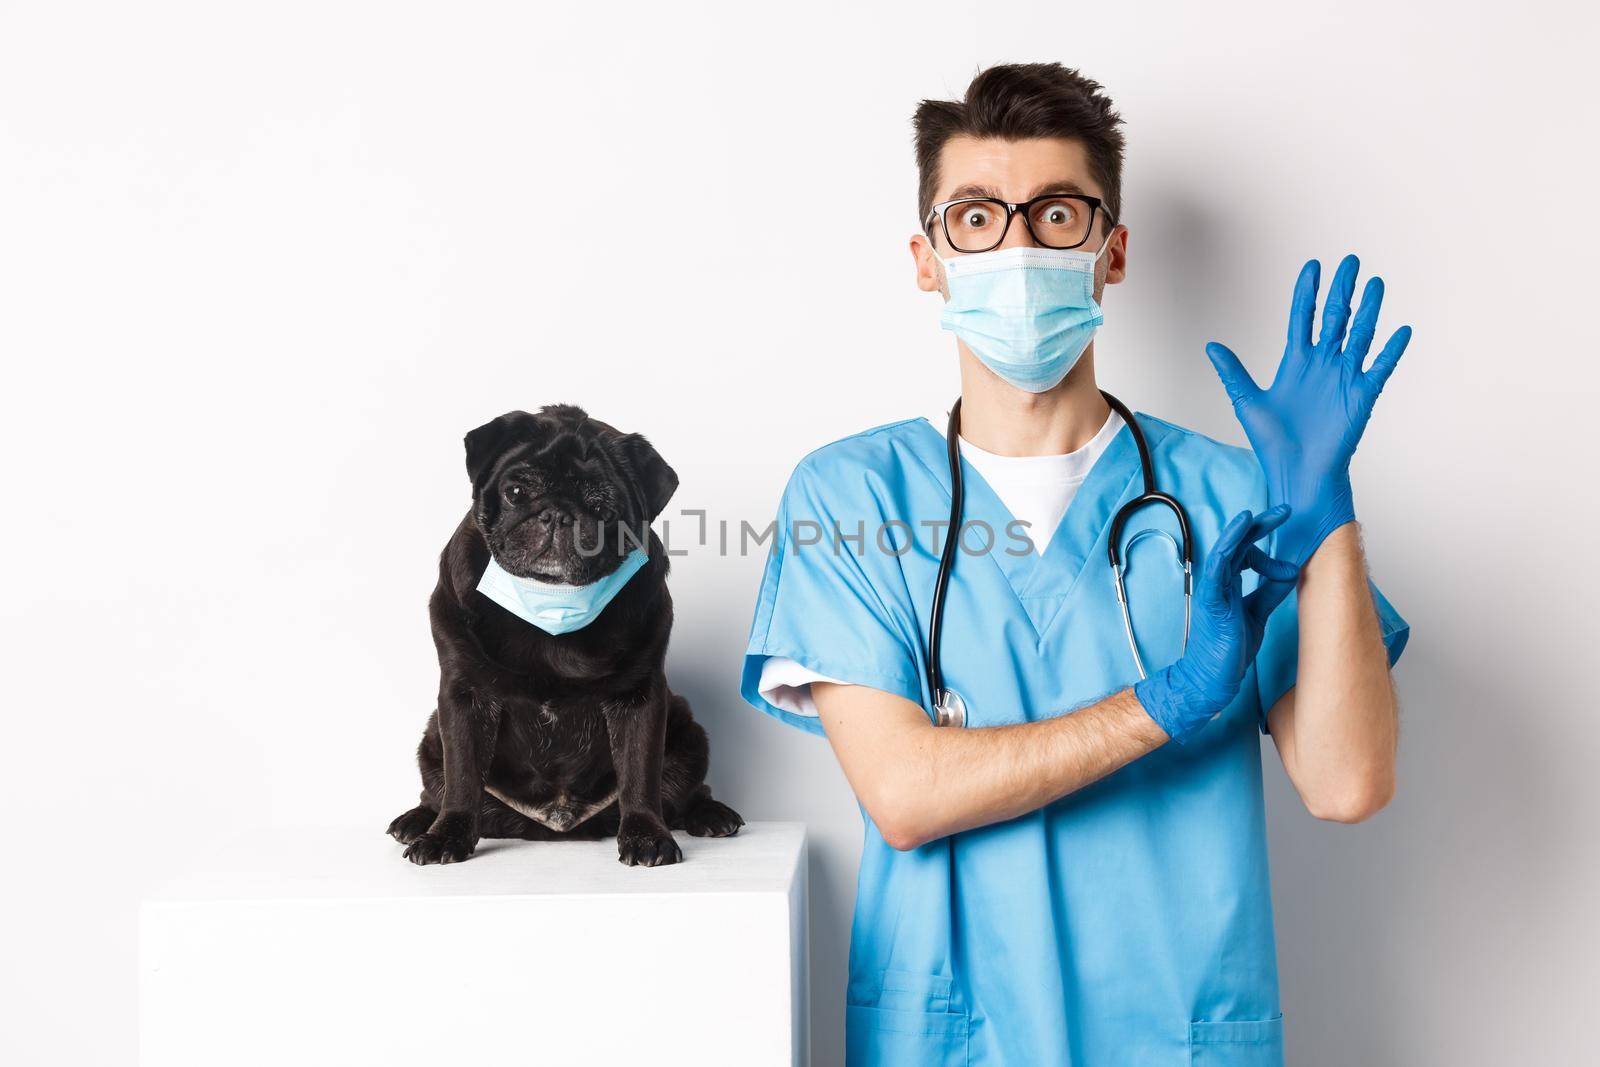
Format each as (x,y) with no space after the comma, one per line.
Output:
(1054,220)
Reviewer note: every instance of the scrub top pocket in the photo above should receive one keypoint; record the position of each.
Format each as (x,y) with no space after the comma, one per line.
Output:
(911,1023)
(890,1037)
(1244,1043)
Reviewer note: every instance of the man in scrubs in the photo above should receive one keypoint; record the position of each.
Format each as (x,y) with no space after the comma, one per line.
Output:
(1078,874)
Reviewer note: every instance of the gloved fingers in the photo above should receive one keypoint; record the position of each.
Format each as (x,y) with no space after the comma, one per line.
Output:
(1271,568)
(1227,557)
(1303,306)
(1336,310)
(1265,598)
(1264,524)
(1221,566)
(1387,360)
(1278,575)
(1235,378)
(1366,323)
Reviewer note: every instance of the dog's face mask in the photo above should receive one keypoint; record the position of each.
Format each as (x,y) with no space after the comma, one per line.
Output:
(561,497)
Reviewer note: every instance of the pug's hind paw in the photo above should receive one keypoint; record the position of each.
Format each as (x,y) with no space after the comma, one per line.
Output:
(712,818)
(413,824)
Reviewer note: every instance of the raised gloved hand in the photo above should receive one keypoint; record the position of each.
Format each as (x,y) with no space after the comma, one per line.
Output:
(1226,632)
(1305,428)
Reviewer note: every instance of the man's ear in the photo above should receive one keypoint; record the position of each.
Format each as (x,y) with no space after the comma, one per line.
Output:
(487,442)
(656,480)
(930,277)
(1117,255)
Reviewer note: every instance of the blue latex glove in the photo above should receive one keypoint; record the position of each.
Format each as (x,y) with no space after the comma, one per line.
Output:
(1226,633)
(1306,427)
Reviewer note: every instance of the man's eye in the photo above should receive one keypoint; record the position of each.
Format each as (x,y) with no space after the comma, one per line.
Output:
(975,218)
(1058,216)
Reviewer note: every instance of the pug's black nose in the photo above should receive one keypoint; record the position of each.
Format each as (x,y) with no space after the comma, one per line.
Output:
(554,517)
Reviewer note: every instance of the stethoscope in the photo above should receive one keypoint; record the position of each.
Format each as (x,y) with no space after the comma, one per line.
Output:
(948,707)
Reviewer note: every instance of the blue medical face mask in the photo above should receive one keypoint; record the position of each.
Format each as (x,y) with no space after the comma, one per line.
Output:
(552,607)
(1027,313)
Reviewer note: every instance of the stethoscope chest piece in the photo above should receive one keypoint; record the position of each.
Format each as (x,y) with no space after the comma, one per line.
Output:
(949,709)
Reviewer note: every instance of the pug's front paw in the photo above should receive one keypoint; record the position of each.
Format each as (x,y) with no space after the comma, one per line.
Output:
(451,839)
(645,842)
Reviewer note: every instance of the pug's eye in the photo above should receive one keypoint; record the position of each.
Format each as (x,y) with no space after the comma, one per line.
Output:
(514,494)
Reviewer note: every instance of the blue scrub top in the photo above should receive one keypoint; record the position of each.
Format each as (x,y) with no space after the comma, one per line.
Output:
(1127,923)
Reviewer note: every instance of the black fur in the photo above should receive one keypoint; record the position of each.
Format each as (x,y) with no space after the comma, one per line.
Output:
(558,723)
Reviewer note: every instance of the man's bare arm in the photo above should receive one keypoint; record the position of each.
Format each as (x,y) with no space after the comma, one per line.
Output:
(920,782)
(1338,730)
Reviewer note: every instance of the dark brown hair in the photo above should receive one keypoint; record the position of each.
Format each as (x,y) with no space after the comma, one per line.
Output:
(1014,101)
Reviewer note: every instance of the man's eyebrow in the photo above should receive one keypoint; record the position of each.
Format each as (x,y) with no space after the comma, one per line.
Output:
(1058,187)
(973,189)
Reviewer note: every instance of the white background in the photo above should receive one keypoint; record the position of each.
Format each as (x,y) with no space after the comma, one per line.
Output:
(260,270)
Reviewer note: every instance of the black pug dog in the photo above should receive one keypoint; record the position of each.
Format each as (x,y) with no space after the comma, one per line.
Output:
(549,737)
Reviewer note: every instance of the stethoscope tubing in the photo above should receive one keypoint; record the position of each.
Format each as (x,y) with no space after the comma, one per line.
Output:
(947,560)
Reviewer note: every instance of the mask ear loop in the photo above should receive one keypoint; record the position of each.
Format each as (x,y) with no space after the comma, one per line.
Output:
(1106,243)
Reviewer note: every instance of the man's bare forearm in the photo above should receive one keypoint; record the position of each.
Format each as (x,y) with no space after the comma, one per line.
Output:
(1025,766)
(920,782)
(1337,729)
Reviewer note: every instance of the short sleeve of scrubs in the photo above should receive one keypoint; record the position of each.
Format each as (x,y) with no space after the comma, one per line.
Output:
(1277,663)
(820,606)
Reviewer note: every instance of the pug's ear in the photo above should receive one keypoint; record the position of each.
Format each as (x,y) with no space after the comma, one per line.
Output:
(487,442)
(655,479)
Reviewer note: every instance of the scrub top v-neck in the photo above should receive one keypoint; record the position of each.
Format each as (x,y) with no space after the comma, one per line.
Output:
(1128,922)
